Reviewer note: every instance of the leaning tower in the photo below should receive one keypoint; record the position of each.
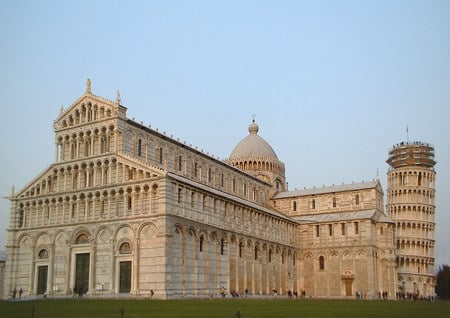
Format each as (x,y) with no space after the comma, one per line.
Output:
(411,205)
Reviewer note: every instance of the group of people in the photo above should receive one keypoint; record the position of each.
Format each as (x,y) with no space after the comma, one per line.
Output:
(233,293)
(413,296)
(289,293)
(383,295)
(14,292)
(361,294)
(296,294)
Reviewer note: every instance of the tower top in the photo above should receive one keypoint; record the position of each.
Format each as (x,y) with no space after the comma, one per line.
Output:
(415,153)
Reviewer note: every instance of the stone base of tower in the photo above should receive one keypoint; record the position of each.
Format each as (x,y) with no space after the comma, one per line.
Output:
(416,286)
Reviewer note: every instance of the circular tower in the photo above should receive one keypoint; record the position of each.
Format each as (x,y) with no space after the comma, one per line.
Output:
(411,205)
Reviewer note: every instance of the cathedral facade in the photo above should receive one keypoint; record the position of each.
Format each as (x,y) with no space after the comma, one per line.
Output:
(127,210)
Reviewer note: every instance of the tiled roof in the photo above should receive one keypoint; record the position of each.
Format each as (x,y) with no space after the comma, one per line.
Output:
(230,197)
(343,216)
(330,189)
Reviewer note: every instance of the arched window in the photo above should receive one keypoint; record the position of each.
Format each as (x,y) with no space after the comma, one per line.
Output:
(43,254)
(180,163)
(201,243)
(160,155)
(204,202)
(139,147)
(125,248)
(21,217)
(294,206)
(82,239)
(179,195)
(192,199)
(223,245)
(321,262)
(129,202)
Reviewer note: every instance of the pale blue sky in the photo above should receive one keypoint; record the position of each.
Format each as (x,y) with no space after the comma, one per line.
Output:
(333,84)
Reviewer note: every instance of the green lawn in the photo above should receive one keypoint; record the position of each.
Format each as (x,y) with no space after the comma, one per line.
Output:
(222,308)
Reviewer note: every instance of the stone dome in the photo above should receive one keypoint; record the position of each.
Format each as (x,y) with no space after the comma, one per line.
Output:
(253,146)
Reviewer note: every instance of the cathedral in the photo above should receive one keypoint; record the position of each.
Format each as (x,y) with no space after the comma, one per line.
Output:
(125,209)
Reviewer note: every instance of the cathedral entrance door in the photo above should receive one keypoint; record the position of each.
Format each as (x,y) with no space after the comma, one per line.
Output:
(42,280)
(125,277)
(347,280)
(82,273)
(348,287)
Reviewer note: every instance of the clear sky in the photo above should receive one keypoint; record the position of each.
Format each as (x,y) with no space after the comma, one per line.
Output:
(333,84)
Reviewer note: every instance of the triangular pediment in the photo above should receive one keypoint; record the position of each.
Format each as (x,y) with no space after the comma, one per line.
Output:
(86,109)
(38,185)
(378,186)
(45,182)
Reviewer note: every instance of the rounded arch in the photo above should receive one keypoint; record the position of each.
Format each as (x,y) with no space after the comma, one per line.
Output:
(25,239)
(60,238)
(43,239)
(124,228)
(147,230)
(214,236)
(81,234)
(361,253)
(348,274)
(321,259)
(178,228)
(101,230)
(205,234)
(264,247)
(192,232)
(333,253)
(307,255)
(124,246)
(347,254)
(42,253)
(226,236)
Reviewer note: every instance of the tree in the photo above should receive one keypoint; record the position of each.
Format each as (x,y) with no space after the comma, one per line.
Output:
(443,282)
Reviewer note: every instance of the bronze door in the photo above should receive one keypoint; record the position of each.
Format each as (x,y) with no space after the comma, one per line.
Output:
(82,273)
(42,280)
(125,277)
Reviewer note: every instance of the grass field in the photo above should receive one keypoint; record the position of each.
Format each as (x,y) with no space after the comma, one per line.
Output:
(222,308)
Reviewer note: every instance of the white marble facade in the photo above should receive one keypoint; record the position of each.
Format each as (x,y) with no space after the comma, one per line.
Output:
(126,209)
